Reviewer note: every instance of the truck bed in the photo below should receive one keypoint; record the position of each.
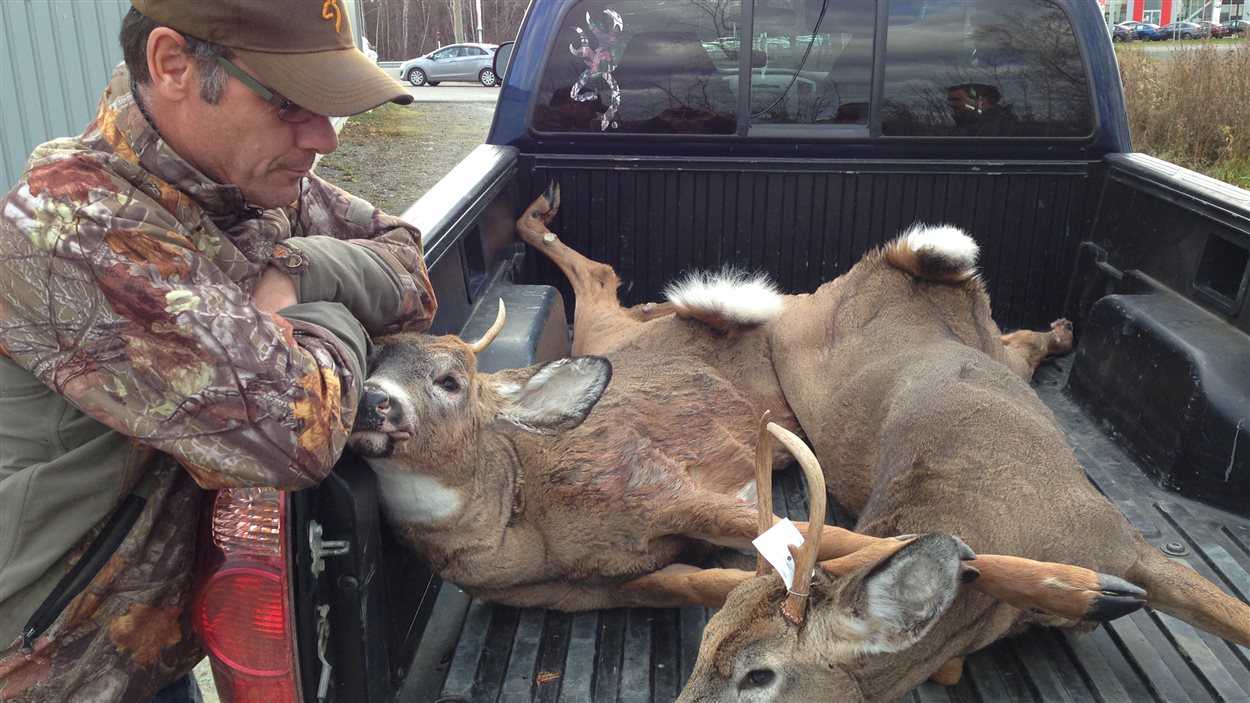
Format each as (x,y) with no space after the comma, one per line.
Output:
(476,651)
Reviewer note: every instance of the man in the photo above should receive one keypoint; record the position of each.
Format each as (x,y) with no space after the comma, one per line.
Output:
(183,306)
(977,112)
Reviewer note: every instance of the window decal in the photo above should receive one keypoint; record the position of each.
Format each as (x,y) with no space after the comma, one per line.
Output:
(600,62)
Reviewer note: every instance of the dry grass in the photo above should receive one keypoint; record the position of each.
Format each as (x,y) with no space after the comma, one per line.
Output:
(1193,108)
(392,155)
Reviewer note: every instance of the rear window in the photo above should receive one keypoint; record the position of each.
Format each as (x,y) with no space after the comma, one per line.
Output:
(990,69)
(958,68)
(641,66)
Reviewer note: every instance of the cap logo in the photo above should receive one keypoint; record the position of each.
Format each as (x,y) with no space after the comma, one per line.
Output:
(330,11)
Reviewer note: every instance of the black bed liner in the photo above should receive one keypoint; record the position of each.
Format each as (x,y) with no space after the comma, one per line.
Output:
(509,654)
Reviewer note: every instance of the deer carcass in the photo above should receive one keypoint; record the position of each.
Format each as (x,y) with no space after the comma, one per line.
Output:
(547,486)
(551,486)
(919,410)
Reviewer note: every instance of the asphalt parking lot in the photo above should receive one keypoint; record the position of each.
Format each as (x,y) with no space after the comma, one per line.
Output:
(446,91)
(454,92)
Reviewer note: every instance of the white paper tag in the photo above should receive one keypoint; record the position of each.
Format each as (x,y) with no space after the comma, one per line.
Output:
(773,544)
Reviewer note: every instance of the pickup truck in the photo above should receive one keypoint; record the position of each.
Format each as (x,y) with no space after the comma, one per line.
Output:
(790,136)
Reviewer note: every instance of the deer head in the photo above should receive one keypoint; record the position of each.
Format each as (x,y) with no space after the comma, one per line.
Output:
(427,414)
(810,642)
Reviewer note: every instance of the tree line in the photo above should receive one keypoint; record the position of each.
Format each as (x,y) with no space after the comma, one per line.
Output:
(402,29)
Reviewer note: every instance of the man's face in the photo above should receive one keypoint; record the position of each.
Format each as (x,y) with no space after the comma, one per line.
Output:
(241,141)
(961,103)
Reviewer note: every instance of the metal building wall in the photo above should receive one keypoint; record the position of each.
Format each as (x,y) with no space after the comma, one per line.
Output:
(55,59)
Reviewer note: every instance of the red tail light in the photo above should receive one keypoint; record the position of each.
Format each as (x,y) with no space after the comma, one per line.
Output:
(242,608)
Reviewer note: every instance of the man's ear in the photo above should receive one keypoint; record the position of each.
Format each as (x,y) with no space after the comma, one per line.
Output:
(173,71)
(558,396)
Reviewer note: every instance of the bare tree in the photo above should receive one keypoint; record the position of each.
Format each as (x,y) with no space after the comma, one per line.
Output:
(402,29)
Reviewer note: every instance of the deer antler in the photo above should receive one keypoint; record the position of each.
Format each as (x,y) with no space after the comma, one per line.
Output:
(480,345)
(794,607)
(764,485)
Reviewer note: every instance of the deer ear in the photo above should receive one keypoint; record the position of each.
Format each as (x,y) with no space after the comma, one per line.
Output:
(558,396)
(902,596)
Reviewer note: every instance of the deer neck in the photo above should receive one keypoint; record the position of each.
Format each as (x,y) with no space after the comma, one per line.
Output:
(419,499)
(478,493)
(889,677)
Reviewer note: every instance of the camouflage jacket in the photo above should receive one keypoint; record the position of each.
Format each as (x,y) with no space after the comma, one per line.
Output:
(130,347)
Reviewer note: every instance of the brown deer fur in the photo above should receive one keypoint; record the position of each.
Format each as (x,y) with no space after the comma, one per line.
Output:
(919,410)
(572,493)
(549,486)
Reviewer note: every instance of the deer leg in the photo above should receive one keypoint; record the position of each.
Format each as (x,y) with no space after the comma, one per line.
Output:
(591,280)
(1027,349)
(871,554)
(1183,593)
(599,321)
(1071,592)
(949,673)
(728,522)
(674,586)
(681,584)
(836,542)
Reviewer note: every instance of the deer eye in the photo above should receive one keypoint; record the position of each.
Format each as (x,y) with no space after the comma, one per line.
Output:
(449,384)
(757,678)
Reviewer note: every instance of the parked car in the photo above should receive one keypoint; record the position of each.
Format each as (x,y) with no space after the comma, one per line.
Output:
(1236,28)
(454,62)
(1146,31)
(1218,31)
(1120,33)
(1186,30)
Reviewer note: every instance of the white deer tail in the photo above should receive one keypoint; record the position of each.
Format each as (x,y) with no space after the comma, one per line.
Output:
(727,299)
(935,253)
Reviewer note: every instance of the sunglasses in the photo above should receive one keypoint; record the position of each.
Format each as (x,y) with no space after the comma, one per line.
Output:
(287,110)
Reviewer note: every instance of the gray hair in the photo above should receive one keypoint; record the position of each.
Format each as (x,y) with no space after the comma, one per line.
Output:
(134,40)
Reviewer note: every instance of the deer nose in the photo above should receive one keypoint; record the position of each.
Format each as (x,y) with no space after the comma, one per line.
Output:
(376,410)
(375,403)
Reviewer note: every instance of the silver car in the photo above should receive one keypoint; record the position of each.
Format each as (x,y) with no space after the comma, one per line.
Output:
(454,62)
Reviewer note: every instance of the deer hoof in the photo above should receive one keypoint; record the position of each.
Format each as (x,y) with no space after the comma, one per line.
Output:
(949,673)
(1060,337)
(544,207)
(1107,608)
(552,195)
(1116,599)
(1114,585)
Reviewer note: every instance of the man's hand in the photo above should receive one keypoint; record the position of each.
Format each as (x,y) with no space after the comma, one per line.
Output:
(274,291)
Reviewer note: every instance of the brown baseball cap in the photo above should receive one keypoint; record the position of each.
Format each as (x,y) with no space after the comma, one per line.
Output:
(303,49)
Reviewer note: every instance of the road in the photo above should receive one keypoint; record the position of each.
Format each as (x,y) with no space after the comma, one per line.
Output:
(455,93)
(1168,49)
(445,91)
